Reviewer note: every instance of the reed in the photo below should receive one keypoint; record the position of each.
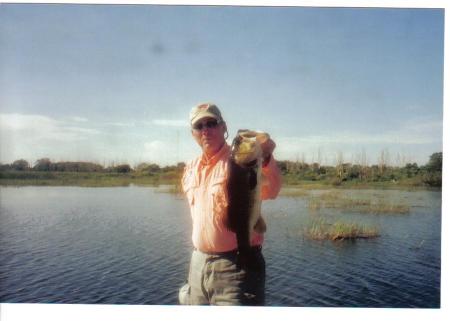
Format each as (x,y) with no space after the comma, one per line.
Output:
(320,229)
(171,189)
(387,208)
(338,200)
(294,192)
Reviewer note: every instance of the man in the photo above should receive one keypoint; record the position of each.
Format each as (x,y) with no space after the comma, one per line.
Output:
(214,276)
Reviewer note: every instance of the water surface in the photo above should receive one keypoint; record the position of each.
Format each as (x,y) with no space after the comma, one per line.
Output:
(131,245)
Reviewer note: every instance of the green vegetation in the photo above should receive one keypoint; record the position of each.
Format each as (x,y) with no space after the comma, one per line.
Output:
(44,172)
(294,192)
(349,175)
(320,229)
(295,174)
(339,200)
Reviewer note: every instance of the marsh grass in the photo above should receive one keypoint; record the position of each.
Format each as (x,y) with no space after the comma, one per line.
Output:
(95,179)
(170,189)
(294,192)
(341,201)
(387,208)
(320,229)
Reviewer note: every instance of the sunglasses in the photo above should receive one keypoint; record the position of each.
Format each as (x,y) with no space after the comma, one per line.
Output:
(208,124)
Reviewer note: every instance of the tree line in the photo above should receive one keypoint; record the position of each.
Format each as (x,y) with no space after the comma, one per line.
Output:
(46,165)
(428,174)
(293,172)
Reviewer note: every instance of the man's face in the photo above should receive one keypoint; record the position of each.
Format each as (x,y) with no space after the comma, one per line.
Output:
(210,138)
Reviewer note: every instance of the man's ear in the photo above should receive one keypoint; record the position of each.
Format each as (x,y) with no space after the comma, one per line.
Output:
(225,130)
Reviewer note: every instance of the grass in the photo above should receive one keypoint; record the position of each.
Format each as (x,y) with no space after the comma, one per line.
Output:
(320,229)
(404,184)
(387,208)
(291,187)
(294,192)
(338,200)
(170,189)
(96,179)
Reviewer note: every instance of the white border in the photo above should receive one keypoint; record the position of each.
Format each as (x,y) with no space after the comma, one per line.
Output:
(58,312)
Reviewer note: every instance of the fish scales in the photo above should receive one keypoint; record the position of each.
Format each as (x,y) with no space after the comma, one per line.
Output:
(243,195)
(244,188)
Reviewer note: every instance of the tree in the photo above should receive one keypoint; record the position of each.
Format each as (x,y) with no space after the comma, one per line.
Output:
(43,164)
(435,163)
(339,165)
(148,168)
(5,167)
(383,161)
(20,165)
(123,168)
(411,169)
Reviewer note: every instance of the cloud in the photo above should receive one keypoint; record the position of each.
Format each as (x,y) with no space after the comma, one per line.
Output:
(32,127)
(78,119)
(412,133)
(415,135)
(24,122)
(155,146)
(121,124)
(32,136)
(170,122)
(159,152)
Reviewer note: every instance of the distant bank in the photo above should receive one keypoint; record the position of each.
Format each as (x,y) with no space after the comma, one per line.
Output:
(300,174)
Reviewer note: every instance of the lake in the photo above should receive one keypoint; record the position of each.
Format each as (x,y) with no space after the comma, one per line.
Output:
(131,245)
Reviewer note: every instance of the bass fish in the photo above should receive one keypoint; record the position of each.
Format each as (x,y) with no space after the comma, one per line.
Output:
(244,189)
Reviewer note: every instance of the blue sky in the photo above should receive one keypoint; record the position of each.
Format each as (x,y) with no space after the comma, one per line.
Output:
(111,83)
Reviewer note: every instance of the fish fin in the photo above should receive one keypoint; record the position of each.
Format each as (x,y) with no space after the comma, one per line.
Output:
(260,226)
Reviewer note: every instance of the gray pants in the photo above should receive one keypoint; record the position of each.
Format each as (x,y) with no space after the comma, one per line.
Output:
(217,280)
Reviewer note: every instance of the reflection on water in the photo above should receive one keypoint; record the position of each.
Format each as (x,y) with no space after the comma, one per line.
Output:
(130,245)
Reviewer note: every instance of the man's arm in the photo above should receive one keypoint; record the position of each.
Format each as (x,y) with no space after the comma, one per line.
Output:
(270,172)
(271,180)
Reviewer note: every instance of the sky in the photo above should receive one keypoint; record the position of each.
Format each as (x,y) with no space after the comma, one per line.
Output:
(115,83)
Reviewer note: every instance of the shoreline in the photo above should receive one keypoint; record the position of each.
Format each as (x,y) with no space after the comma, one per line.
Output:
(124,181)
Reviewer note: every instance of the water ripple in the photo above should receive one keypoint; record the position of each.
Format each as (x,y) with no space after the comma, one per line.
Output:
(132,246)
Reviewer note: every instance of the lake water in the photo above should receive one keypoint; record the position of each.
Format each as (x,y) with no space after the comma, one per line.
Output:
(131,245)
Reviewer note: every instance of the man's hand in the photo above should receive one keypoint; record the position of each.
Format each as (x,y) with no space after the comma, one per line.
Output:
(267,147)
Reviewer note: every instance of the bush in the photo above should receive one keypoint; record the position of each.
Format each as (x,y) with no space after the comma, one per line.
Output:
(20,165)
(124,168)
(335,181)
(432,179)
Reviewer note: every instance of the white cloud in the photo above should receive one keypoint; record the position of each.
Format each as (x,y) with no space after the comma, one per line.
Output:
(412,136)
(78,119)
(414,133)
(34,127)
(121,124)
(25,122)
(32,136)
(159,152)
(170,122)
(155,146)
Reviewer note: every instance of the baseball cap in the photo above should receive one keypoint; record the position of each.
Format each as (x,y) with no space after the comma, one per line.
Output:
(205,110)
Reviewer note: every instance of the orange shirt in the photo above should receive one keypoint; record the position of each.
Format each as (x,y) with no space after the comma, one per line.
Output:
(204,182)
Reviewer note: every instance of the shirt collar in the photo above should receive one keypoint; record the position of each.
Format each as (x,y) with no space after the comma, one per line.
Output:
(213,160)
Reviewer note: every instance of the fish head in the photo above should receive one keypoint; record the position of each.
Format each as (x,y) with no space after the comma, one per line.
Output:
(246,149)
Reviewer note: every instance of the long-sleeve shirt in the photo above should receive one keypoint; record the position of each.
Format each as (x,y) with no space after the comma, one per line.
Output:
(205,184)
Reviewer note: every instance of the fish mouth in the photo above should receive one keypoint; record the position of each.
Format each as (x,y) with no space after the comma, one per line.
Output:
(245,149)
(245,159)
(252,163)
